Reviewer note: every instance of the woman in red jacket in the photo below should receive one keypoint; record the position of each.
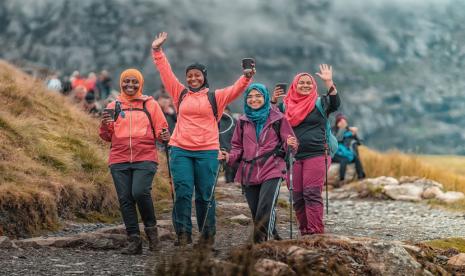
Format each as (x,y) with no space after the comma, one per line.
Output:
(137,123)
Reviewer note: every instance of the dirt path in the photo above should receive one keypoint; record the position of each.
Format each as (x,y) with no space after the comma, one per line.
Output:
(379,219)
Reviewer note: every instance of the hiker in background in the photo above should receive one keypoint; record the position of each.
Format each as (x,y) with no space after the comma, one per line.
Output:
(347,152)
(303,113)
(54,83)
(90,82)
(103,85)
(66,86)
(195,142)
(77,80)
(133,156)
(227,125)
(166,104)
(259,145)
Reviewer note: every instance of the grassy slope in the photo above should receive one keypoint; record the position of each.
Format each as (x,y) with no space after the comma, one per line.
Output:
(52,162)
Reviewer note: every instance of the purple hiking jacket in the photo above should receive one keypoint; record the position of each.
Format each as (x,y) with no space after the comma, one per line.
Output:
(250,148)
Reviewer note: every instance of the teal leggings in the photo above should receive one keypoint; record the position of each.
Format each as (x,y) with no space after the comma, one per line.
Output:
(193,169)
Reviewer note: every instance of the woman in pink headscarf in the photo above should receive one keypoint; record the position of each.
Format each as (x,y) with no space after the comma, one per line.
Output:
(309,126)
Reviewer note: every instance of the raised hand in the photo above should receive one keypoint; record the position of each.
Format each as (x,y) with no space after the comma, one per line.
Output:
(326,75)
(277,93)
(159,40)
(248,73)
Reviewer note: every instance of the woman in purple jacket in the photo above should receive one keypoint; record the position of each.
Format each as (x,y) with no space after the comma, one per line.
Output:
(259,143)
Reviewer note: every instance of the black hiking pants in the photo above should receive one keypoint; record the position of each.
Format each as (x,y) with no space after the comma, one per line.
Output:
(343,161)
(133,183)
(262,200)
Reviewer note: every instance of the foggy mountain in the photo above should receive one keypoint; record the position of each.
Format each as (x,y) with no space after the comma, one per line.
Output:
(397,64)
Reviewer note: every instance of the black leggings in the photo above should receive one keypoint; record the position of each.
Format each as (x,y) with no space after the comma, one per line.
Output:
(262,199)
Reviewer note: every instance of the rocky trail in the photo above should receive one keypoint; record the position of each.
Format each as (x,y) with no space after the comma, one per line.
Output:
(93,249)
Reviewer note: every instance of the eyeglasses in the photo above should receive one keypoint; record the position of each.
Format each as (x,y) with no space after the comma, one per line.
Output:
(249,97)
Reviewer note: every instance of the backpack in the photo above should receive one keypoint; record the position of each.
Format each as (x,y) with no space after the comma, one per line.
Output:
(331,140)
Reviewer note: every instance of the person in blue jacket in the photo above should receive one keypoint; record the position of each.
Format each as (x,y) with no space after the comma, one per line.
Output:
(347,151)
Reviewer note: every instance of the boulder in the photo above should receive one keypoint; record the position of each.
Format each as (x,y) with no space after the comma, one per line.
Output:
(380,182)
(333,173)
(391,259)
(457,260)
(6,243)
(272,267)
(241,219)
(432,192)
(450,197)
(407,192)
(36,242)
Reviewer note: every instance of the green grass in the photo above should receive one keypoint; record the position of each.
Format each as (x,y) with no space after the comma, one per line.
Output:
(456,242)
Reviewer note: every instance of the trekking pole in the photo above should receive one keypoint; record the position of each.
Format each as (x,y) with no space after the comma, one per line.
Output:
(173,192)
(326,177)
(211,196)
(291,188)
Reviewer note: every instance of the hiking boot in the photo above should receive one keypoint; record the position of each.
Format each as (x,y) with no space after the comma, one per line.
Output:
(152,237)
(134,245)
(205,242)
(183,239)
(276,236)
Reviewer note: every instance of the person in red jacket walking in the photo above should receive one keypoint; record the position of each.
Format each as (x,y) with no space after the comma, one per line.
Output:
(133,130)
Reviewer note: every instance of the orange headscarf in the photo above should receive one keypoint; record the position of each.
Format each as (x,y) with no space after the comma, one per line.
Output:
(131,73)
(298,106)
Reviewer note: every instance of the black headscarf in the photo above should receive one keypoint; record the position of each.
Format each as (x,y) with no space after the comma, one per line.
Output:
(202,68)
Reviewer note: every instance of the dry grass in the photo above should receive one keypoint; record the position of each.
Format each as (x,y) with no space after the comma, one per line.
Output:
(52,162)
(397,164)
(453,163)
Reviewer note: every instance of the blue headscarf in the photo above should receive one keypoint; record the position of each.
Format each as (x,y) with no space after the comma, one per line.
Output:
(258,116)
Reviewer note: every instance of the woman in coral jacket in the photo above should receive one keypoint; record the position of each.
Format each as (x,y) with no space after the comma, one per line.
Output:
(133,130)
(195,142)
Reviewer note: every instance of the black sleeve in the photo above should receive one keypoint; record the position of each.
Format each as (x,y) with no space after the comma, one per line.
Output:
(332,103)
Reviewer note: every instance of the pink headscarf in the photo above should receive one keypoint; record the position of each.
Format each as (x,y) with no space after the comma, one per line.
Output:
(298,106)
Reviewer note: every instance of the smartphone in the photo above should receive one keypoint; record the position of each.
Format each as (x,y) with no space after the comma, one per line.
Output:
(283,86)
(248,63)
(111,112)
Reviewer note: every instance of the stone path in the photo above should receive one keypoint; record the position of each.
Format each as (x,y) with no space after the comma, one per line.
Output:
(389,220)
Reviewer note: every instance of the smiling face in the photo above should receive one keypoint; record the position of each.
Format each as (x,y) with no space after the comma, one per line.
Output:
(130,85)
(255,99)
(194,78)
(305,85)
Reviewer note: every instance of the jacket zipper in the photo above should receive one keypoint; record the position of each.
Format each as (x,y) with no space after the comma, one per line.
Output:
(258,142)
(130,131)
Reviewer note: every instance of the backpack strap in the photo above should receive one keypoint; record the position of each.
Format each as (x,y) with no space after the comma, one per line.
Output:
(146,111)
(144,108)
(212,99)
(181,97)
(319,106)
